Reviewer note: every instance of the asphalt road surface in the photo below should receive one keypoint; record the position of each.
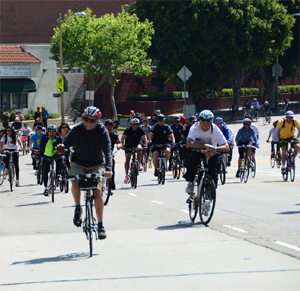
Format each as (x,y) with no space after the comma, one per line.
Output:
(251,243)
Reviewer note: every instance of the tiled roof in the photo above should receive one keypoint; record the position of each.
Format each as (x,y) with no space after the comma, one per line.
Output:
(15,54)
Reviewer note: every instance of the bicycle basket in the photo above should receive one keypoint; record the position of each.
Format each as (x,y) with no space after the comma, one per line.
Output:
(88,184)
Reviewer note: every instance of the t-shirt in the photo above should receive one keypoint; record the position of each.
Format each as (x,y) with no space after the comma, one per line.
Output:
(213,136)
(146,130)
(133,136)
(178,132)
(16,125)
(289,129)
(36,140)
(254,127)
(161,133)
(113,139)
(25,131)
(9,145)
(49,149)
(273,132)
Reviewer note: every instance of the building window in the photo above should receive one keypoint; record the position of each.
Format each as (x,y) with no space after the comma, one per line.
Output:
(19,101)
(5,101)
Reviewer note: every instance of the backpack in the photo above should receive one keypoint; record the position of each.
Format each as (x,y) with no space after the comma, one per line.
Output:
(292,126)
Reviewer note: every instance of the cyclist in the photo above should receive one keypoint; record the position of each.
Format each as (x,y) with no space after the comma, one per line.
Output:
(245,136)
(49,142)
(17,124)
(160,134)
(233,110)
(286,132)
(114,140)
(26,132)
(89,140)
(153,117)
(35,142)
(132,137)
(247,107)
(267,110)
(204,135)
(10,141)
(146,128)
(255,106)
(227,134)
(64,130)
(273,133)
(131,115)
(178,130)
(182,120)
(192,120)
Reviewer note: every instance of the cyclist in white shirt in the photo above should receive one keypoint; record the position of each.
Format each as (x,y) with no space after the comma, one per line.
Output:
(204,135)
(255,105)
(275,140)
(26,132)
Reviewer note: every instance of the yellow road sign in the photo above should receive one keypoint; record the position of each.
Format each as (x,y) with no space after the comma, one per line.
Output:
(60,84)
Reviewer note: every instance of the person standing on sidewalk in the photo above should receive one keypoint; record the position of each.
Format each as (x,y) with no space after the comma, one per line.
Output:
(45,116)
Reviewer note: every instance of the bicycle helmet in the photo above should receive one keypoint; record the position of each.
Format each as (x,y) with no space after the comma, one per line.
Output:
(254,99)
(52,127)
(109,122)
(206,115)
(218,119)
(38,127)
(247,120)
(134,121)
(92,111)
(182,118)
(289,114)
(249,116)
(160,117)
(193,118)
(275,123)
(176,118)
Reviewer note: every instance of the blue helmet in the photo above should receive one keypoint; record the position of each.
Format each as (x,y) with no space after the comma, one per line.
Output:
(51,127)
(218,119)
(206,115)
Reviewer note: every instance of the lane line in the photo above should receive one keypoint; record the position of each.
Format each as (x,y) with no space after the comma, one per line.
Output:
(287,245)
(132,194)
(157,202)
(236,229)
(185,211)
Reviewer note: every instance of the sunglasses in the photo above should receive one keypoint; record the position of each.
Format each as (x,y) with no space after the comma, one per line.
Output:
(64,127)
(9,130)
(247,123)
(52,132)
(89,119)
(135,124)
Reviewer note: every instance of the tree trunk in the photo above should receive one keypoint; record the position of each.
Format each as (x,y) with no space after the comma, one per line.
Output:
(112,99)
(271,91)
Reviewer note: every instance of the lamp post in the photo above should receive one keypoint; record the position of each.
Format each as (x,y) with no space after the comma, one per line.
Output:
(60,21)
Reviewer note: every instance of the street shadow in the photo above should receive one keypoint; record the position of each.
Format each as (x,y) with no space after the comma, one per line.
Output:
(32,204)
(289,212)
(179,225)
(29,185)
(63,258)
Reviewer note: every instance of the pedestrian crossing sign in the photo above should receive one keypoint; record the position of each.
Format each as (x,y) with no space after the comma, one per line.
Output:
(60,84)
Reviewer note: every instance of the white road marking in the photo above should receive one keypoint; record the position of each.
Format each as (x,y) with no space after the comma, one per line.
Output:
(186,211)
(132,194)
(287,245)
(235,228)
(157,202)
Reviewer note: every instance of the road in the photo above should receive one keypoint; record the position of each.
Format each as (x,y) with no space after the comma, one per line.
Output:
(252,242)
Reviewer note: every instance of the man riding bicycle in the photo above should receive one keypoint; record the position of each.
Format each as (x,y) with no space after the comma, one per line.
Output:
(132,137)
(160,134)
(244,136)
(267,110)
(49,142)
(286,133)
(89,140)
(204,135)
(255,106)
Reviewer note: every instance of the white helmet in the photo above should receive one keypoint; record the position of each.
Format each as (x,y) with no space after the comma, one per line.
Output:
(266,102)
(289,114)
(254,99)
(206,115)
(92,111)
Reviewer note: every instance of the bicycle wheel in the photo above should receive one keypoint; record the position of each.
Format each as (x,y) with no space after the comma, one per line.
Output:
(136,171)
(246,169)
(174,164)
(159,176)
(272,160)
(285,174)
(89,225)
(207,200)
(106,191)
(41,173)
(145,161)
(264,120)
(178,167)
(222,171)
(253,169)
(2,168)
(193,208)
(131,175)
(163,172)
(292,168)
(278,160)
(52,184)
(242,169)
(11,177)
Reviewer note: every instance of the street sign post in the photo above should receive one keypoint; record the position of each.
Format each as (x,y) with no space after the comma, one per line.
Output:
(60,84)
(184,74)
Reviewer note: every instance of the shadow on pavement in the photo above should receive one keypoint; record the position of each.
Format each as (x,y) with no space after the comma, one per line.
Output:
(179,225)
(289,212)
(32,204)
(65,258)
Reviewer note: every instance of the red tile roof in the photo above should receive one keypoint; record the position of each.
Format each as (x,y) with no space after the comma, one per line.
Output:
(15,54)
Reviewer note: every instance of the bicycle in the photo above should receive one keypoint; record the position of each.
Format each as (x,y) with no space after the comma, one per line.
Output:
(176,162)
(162,164)
(25,145)
(145,159)
(222,167)
(87,183)
(205,197)
(275,157)
(39,166)
(254,113)
(11,168)
(290,160)
(266,119)
(134,167)
(2,169)
(246,164)
(64,184)
(253,168)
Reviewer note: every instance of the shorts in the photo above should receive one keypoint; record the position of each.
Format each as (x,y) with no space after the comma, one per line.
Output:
(76,169)
(281,144)
(158,149)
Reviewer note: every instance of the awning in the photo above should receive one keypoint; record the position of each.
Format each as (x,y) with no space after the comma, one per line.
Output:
(17,86)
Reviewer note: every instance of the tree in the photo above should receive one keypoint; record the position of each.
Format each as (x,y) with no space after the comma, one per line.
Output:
(103,47)
(216,39)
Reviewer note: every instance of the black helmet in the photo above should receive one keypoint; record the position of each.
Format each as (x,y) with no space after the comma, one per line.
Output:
(160,117)
(109,122)
(176,118)
(193,118)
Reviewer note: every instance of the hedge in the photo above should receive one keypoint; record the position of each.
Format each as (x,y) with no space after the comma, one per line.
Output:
(160,96)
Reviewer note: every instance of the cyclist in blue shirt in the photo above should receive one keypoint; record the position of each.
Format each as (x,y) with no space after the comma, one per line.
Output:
(244,137)
(35,141)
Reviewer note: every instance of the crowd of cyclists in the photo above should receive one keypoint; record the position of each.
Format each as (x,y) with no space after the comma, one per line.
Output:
(88,147)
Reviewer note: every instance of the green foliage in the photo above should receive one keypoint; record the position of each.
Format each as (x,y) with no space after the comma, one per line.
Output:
(28,116)
(53,115)
(11,113)
(290,89)
(164,96)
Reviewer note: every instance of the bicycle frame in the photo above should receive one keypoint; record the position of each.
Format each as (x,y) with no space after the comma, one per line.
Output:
(11,168)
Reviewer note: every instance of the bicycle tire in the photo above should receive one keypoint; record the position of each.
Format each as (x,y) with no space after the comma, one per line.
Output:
(135,171)
(163,173)
(11,178)
(253,171)
(242,170)
(52,185)
(2,168)
(159,176)
(193,208)
(207,200)
(41,174)
(89,226)
(285,175)
(131,175)
(145,161)
(174,168)
(107,191)
(178,167)
(222,171)
(272,161)
(292,168)
(278,160)
(246,169)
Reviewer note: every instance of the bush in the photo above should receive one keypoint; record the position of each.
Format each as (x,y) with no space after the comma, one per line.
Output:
(289,89)
(28,116)
(160,96)
(53,115)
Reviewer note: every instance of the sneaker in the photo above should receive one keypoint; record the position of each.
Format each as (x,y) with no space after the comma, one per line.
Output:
(237,175)
(77,217)
(190,199)
(228,164)
(190,187)
(18,184)
(101,232)
(283,170)
(127,179)
(155,173)
(46,192)
(140,167)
